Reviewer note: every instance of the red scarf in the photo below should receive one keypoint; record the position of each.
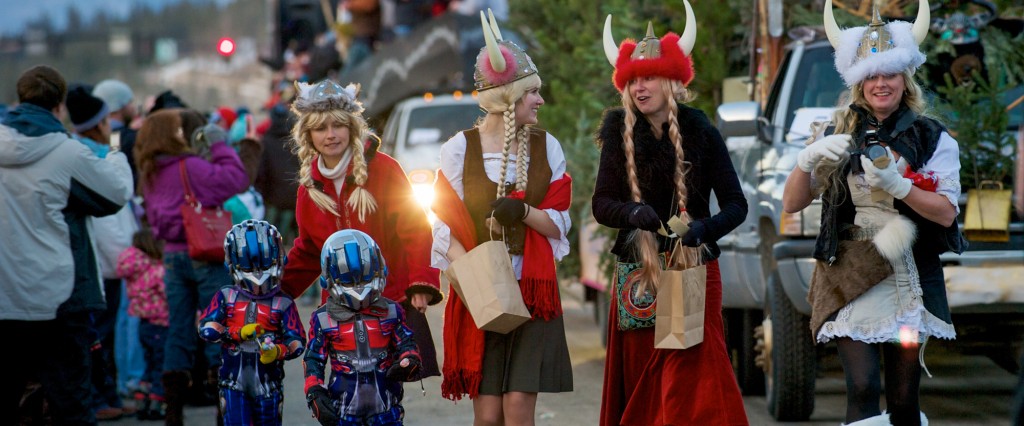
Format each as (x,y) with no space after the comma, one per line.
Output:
(463,341)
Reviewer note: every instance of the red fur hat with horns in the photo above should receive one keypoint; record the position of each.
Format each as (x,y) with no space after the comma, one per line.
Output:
(668,57)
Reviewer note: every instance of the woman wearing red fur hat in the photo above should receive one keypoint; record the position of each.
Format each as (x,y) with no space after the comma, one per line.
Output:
(684,160)
(505,169)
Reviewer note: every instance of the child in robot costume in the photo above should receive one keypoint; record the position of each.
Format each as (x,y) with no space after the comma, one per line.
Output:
(370,347)
(258,325)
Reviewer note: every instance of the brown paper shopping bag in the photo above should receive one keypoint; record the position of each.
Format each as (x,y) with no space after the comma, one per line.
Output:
(679,316)
(488,287)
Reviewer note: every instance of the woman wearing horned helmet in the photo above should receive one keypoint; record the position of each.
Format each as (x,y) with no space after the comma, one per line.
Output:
(684,160)
(505,168)
(344,183)
(889,182)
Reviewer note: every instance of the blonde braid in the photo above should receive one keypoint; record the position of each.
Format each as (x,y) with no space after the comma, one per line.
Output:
(303,148)
(524,144)
(361,200)
(645,245)
(690,256)
(510,128)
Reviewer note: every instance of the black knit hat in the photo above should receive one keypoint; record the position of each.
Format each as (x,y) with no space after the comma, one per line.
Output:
(167,99)
(86,110)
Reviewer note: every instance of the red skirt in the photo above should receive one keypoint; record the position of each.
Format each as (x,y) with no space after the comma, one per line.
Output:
(695,386)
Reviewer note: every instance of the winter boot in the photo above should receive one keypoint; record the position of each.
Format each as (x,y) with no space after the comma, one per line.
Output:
(176,384)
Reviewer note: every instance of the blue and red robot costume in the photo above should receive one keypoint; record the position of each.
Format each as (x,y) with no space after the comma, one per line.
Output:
(258,325)
(362,334)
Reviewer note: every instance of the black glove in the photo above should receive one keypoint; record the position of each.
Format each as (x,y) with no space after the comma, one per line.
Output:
(695,236)
(322,405)
(644,217)
(404,374)
(509,211)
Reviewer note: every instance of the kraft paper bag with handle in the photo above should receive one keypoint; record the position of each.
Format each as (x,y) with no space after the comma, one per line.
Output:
(679,315)
(485,281)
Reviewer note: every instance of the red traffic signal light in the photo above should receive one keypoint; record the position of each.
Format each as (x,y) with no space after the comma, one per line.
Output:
(226,46)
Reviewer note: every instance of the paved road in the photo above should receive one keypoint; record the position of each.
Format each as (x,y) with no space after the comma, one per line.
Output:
(964,390)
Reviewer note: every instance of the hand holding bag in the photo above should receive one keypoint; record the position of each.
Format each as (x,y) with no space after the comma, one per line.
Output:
(679,319)
(205,227)
(487,285)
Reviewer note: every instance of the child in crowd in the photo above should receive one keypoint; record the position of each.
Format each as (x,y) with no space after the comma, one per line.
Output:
(371,350)
(141,266)
(258,325)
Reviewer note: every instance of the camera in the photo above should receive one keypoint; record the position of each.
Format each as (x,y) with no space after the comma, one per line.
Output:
(873,149)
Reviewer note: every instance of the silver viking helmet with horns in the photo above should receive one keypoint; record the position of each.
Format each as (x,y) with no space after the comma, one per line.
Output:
(499,62)
(878,48)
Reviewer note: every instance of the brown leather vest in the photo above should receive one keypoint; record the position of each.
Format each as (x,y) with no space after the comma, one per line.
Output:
(480,191)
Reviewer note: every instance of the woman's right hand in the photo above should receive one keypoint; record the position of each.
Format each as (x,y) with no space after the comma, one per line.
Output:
(832,147)
(644,217)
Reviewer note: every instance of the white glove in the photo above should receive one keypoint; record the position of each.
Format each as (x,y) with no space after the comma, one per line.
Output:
(832,147)
(888,179)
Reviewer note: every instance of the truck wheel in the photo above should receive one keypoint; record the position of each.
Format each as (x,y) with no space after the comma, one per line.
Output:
(740,339)
(790,373)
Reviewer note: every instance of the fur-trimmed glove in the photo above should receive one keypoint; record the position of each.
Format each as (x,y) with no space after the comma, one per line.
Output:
(832,147)
(322,406)
(887,178)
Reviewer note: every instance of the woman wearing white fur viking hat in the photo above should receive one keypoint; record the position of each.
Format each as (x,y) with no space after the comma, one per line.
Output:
(888,211)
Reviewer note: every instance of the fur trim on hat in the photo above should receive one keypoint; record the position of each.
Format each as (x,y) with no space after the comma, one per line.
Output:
(904,55)
(672,64)
(895,238)
(492,77)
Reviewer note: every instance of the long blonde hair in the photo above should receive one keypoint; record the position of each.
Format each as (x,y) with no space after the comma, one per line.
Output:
(361,200)
(502,100)
(645,243)
(847,120)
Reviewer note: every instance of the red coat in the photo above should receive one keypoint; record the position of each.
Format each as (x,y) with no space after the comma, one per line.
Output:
(399,226)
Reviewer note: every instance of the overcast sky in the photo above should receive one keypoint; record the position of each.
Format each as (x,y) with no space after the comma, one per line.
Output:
(15,13)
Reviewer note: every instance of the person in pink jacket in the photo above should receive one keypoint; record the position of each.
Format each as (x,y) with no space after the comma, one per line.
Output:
(142,268)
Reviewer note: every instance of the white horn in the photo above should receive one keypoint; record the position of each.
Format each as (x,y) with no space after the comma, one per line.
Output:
(831,28)
(610,49)
(493,53)
(689,37)
(494,25)
(923,21)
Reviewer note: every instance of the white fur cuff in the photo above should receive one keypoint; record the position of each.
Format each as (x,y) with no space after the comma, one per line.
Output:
(895,238)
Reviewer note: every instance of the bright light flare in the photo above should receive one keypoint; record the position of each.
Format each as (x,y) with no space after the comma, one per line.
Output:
(226,46)
(908,337)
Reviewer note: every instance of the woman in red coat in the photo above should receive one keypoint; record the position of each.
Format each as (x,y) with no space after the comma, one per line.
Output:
(344,183)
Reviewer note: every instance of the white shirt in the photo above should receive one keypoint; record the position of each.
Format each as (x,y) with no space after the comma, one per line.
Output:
(453,155)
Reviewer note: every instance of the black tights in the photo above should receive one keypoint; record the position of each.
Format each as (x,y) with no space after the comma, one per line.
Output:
(862,365)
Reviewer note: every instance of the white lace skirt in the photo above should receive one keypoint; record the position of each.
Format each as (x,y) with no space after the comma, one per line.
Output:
(891,311)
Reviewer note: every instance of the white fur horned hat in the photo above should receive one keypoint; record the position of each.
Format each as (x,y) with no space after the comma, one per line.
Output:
(878,48)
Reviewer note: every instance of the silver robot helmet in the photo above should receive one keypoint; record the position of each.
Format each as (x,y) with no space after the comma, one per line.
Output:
(352,269)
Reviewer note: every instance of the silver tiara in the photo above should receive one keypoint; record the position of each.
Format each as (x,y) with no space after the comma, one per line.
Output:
(327,96)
